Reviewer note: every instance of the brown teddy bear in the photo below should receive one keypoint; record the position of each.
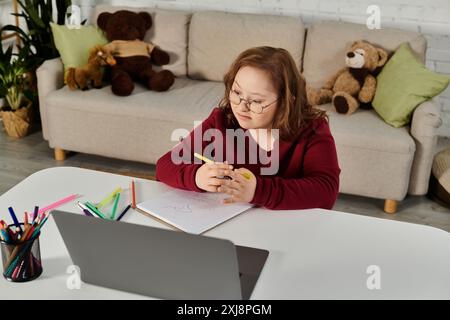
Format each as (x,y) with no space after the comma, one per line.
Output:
(126,30)
(353,86)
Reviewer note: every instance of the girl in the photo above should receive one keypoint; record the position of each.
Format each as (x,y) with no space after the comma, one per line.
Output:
(263,90)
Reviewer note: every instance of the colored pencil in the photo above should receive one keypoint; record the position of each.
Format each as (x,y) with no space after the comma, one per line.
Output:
(35,213)
(94,210)
(133,195)
(18,253)
(123,212)
(13,234)
(4,230)
(246,175)
(13,216)
(203,158)
(26,219)
(27,234)
(21,263)
(88,213)
(4,235)
(109,198)
(116,201)
(85,209)
(58,203)
(28,226)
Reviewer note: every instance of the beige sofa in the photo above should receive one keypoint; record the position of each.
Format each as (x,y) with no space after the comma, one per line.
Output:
(376,159)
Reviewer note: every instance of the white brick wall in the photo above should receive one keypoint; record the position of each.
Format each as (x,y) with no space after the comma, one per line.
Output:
(6,8)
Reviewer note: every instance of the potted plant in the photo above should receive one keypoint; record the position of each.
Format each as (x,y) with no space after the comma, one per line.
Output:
(37,15)
(14,87)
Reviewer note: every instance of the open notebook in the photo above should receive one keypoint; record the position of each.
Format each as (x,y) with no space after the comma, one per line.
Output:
(192,212)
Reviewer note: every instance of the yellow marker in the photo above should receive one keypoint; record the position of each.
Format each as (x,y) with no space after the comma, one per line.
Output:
(246,175)
(205,159)
(109,198)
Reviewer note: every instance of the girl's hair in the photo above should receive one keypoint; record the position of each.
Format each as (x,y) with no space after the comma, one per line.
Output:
(294,112)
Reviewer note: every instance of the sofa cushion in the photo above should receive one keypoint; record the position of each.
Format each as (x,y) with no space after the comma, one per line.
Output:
(366,130)
(403,84)
(217,38)
(375,158)
(169,32)
(328,41)
(186,101)
(74,44)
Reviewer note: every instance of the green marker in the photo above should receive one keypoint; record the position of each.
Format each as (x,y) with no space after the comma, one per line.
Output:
(116,201)
(109,198)
(95,210)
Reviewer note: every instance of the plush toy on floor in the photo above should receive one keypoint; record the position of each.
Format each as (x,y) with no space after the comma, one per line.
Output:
(353,86)
(126,30)
(91,72)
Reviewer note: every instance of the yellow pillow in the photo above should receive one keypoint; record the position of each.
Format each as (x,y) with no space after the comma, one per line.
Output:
(73,44)
(403,84)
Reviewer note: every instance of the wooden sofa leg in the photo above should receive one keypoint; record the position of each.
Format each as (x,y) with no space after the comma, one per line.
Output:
(390,206)
(60,154)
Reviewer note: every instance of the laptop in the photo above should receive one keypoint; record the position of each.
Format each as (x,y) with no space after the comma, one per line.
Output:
(159,263)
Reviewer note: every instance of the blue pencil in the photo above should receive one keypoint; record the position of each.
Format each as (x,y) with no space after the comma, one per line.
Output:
(13,216)
(123,212)
(39,227)
(87,213)
(85,209)
(5,235)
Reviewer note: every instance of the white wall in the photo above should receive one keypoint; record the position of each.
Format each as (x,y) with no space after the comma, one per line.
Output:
(6,8)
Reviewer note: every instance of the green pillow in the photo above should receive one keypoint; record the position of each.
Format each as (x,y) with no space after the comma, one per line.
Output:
(403,84)
(73,44)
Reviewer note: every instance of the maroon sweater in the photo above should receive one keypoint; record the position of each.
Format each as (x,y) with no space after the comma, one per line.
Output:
(308,175)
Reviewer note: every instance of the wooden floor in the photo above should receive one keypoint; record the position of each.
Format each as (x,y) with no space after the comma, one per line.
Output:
(20,158)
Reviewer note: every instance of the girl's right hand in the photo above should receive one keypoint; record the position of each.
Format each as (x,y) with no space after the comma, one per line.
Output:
(209,175)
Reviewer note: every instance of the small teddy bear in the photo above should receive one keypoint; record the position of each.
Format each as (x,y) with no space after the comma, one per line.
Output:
(354,86)
(91,72)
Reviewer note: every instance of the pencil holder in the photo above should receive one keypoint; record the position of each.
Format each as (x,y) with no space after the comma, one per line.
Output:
(21,260)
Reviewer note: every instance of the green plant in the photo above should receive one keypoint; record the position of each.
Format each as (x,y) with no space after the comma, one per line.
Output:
(37,42)
(37,15)
(14,76)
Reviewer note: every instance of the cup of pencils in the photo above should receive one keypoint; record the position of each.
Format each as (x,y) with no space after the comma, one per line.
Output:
(21,255)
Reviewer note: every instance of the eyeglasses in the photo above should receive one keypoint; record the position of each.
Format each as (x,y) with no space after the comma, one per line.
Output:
(253,106)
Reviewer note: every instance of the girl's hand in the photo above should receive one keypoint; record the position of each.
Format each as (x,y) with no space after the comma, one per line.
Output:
(239,188)
(208,176)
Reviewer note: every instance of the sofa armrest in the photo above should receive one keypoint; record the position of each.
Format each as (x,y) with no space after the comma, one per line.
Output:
(425,123)
(50,77)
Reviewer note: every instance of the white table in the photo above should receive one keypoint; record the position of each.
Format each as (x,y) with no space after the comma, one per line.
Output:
(313,253)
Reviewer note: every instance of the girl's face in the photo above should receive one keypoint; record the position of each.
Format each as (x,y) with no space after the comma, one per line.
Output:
(258,108)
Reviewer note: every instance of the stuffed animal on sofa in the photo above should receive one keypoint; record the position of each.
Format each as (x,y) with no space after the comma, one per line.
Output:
(353,86)
(126,30)
(90,73)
